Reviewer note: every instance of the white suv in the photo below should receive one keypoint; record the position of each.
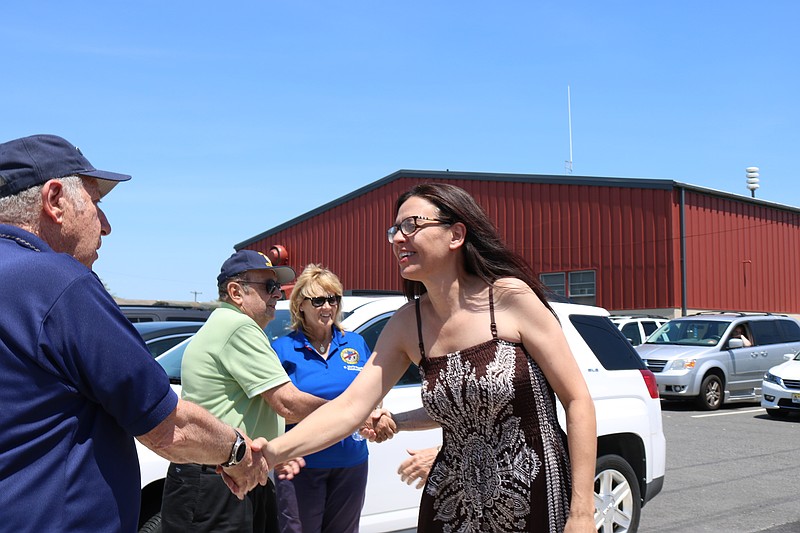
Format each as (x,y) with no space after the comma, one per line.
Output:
(630,444)
(637,328)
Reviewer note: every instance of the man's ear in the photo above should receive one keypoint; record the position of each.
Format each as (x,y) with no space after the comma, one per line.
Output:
(458,234)
(53,201)
(235,292)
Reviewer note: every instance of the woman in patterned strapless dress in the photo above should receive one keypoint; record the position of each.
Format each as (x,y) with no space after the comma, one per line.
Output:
(492,355)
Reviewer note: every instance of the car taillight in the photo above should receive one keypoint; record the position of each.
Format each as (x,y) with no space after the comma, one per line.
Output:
(650,381)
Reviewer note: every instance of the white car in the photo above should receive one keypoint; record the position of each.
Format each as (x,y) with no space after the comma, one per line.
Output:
(637,328)
(780,389)
(630,444)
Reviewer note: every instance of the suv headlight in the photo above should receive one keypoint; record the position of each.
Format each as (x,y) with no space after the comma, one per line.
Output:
(772,378)
(683,364)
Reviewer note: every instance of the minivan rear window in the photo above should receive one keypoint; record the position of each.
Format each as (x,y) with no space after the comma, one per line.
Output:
(790,330)
(607,342)
(766,332)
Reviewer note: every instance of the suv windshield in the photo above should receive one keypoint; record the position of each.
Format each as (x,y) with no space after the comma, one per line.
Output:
(690,332)
(280,325)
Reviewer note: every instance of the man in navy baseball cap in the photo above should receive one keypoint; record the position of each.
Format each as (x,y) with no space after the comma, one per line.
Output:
(34,160)
(245,260)
(77,382)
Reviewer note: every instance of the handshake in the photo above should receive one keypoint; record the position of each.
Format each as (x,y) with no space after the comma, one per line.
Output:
(254,468)
(380,426)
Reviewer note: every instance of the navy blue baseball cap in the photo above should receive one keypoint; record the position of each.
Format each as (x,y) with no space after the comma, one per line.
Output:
(31,161)
(245,260)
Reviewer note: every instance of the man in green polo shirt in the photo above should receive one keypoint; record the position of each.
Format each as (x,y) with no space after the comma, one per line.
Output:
(230,369)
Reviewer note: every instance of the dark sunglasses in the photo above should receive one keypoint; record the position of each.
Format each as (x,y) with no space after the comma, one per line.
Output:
(319,301)
(271,285)
(409,226)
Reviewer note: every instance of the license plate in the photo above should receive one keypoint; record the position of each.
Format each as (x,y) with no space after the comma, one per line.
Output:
(796,397)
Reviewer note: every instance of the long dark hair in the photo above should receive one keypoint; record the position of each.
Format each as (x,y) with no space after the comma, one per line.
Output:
(485,254)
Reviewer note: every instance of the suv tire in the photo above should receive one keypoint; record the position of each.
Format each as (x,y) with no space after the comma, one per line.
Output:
(153,525)
(618,502)
(710,397)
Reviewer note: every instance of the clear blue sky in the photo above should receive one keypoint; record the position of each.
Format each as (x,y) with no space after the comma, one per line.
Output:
(236,117)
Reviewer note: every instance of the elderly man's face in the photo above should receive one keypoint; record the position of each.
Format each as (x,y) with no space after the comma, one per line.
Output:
(84,223)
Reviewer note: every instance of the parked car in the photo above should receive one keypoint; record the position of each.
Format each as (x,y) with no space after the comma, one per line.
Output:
(637,328)
(696,357)
(159,313)
(781,388)
(631,447)
(161,336)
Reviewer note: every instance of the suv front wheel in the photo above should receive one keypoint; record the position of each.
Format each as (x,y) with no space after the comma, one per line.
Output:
(710,397)
(617,498)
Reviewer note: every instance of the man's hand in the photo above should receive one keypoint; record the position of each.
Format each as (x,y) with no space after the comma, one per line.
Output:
(251,471)
(380,426)
(290,468)
(418,466)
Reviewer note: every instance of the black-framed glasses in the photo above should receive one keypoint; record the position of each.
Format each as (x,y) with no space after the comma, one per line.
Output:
(319,301)
(408,226)
(271,285)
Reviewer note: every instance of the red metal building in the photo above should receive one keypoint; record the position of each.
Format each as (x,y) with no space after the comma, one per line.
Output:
(629,245)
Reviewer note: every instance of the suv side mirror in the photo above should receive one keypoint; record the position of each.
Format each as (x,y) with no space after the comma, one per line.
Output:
(735,343)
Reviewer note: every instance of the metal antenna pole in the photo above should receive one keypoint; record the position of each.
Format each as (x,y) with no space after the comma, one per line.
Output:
(569,114)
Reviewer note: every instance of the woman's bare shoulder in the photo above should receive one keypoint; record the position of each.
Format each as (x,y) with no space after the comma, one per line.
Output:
(511,288)
(516,294)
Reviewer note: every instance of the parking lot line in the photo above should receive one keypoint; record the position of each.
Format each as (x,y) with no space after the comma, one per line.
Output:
(730,413)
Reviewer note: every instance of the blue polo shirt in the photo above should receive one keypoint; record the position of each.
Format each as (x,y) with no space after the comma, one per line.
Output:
(77,382)
(313,374)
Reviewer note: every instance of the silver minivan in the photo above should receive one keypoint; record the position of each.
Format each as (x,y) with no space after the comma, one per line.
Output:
(715,358)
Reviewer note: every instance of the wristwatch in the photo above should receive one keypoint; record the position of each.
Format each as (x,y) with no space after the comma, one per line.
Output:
(238,451)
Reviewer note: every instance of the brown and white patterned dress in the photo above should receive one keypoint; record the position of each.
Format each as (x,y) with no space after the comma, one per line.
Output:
(503,466)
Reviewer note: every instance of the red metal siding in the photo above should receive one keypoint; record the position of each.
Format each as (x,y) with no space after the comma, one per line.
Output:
(617,232)
(741,256)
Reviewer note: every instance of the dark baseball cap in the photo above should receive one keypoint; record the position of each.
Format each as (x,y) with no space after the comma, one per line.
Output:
(31,161)
(245,260)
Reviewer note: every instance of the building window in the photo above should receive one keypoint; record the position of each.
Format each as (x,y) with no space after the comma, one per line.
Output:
(581,283)
(555,282)
(582,287)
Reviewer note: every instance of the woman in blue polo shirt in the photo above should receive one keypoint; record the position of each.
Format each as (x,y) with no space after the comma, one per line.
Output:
(322,359)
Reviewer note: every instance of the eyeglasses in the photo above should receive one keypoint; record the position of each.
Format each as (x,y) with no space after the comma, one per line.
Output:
(319,301)
(271,285)
(408,226)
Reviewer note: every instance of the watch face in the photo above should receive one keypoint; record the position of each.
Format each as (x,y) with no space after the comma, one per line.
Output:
(241,451)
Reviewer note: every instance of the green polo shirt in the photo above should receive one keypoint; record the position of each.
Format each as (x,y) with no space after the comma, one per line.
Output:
(227,365)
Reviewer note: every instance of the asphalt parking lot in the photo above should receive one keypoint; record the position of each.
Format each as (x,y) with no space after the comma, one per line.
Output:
(731,470)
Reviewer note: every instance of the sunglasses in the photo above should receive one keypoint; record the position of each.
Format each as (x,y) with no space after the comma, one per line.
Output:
(409,226)
(271,285)
(319,301)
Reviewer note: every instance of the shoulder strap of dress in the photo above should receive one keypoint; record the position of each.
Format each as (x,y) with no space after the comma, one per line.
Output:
(491,312)
(419,330)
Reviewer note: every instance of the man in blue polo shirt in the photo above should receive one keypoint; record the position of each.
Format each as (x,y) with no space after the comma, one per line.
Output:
(77,382)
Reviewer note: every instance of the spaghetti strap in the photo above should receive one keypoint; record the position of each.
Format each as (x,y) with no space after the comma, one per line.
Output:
(491,313)
(419,330)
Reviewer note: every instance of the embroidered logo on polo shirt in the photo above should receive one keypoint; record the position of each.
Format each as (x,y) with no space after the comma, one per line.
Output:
(350,356)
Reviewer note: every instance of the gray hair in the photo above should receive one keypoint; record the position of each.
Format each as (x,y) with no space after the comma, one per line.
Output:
(23,208)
